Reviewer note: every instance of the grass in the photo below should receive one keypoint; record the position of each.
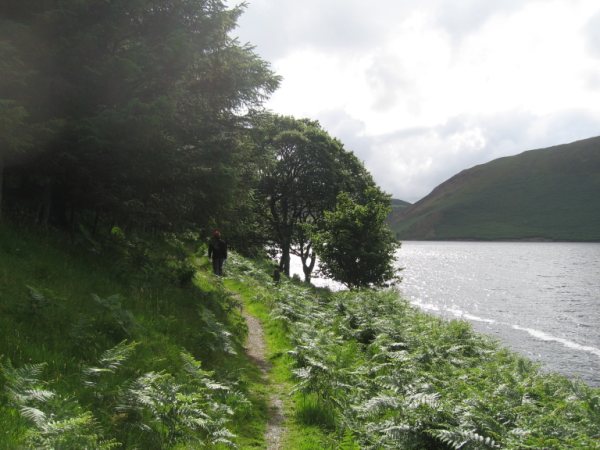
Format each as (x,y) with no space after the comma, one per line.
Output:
(369,371)
(66,303)
(303,426)
(355,369)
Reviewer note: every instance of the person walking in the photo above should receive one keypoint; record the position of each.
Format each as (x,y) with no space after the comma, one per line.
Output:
(217,250)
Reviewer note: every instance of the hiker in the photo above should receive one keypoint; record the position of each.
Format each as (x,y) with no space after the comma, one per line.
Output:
(217,250)
(276,275)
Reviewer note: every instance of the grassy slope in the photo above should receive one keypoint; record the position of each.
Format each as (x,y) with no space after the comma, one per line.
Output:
(397,207)
(68,330)
(547,194)
(372,372)
(367,368)
(303,429)
(71,331)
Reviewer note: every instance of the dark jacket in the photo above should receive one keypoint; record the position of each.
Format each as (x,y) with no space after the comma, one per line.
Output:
(217,248)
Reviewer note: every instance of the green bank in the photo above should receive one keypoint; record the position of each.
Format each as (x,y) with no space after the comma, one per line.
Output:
(133,344)
(128,344)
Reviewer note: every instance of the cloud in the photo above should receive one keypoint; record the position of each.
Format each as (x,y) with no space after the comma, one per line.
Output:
(411,163)
(593,35)
(278,27)
(422,89)
(468,16)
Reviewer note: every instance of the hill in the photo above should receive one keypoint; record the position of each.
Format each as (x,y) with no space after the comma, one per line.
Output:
(399,205)
(544,194)
(101,340)
(132,343)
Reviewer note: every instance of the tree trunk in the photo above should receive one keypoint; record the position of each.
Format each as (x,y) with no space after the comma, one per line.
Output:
(45,205)
(284,263)
(308,268)
(308,260)
(1,183)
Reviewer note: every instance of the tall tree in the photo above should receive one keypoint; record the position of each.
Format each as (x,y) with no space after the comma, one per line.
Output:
(355,245)
(150,97)
(306,170)
(14,135)
(13,140)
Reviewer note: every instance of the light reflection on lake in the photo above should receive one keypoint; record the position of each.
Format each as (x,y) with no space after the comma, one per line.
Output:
(540,299)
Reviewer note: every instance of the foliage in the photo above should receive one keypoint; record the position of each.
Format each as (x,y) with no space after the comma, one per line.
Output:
(130,113)
(56,422)
(355,245)
(191,408)
(393,377)
(73,358)
(304,171)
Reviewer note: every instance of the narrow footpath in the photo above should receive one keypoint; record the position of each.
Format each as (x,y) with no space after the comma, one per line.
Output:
(256,351)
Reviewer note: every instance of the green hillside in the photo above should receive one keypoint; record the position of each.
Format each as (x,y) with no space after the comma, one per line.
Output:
(134,344)
(397,207)
(399,204)
(119,345)
(546,194)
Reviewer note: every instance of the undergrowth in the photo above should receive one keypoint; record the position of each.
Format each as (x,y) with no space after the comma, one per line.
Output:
(120,343)
(370,371)
(132,343)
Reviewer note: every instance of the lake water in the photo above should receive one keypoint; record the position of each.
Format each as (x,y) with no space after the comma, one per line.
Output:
(539,299)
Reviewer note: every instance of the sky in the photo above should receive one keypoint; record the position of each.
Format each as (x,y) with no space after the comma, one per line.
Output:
(422,89)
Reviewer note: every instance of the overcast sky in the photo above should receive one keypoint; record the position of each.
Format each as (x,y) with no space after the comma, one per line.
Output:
(422,89)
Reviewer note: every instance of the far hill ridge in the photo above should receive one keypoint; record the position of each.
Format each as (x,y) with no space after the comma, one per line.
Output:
(545,194)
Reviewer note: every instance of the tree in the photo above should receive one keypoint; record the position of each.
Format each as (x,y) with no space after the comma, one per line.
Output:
(148,100)
(303,172)
(355,245)
(12,140)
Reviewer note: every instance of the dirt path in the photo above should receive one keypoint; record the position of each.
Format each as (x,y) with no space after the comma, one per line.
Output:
(256,350)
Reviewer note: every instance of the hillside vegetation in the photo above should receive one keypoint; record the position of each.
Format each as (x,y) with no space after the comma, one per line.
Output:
(398,205)
(546,194)
(123,125)
(124,345)
(134,345)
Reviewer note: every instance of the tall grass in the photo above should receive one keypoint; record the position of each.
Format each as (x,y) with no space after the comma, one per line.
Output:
(373,371)
(125,344)
(120,343)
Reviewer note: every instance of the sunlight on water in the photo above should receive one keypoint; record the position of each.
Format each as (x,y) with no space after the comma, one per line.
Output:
(540,299)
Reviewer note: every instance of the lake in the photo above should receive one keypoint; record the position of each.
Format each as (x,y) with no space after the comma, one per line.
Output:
(539,299)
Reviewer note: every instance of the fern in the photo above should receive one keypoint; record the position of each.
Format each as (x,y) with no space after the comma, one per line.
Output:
(394,431)
(215,335)
(423,398)
(193,409)
(37,416)
(460,439)
(57,423)
(23,385)
(109,362)
(378,404)
(113,307)
(348,442)
(73,432)
(37,300)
